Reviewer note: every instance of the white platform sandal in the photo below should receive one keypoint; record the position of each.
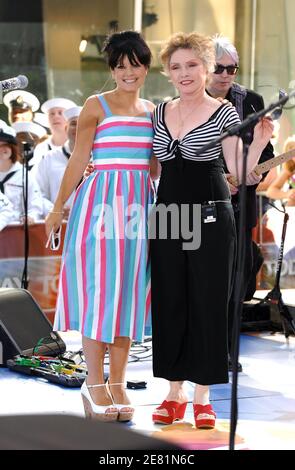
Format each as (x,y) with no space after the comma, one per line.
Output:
(98,412)
(126,411)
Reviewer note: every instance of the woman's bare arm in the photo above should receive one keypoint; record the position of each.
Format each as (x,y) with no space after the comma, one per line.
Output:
(233,149)
(87,123)
(90,115)
(155,168)
(275,189)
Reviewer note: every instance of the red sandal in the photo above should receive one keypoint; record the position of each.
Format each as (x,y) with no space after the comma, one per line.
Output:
(175,412)
(204,416)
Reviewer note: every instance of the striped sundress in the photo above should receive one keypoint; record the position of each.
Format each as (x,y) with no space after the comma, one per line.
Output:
(104,288)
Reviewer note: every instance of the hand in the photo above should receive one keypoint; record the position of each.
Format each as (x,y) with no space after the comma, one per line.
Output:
(89,169)
(31,221)
(53,221)
(291,195)
(263,131)
(253,179)
(224,101)
(233,189)
(66,212)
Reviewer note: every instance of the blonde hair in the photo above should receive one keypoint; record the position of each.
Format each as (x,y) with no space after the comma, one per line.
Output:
(289,145)
(202,45)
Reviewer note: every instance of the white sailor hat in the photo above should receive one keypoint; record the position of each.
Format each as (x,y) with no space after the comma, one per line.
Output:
(21,99)
(7,133)
(72,112)
(42,119)
(57,103)
(30,128)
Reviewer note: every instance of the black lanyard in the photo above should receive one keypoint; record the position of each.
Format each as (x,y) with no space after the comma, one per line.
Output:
(7,177)
(66,154)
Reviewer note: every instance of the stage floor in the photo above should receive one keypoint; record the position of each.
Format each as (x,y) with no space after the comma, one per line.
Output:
(266,398)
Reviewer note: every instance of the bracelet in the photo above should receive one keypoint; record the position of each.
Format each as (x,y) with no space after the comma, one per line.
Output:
(56,212)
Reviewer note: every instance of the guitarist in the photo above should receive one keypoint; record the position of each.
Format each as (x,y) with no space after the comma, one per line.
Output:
(221,85)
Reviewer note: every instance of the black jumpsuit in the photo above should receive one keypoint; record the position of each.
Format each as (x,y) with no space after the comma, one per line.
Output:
(191,288)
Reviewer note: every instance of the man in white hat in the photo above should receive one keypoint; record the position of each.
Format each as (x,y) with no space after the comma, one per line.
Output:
(54,109)
(50,169)
(21,105)
(11,178)
(29,133)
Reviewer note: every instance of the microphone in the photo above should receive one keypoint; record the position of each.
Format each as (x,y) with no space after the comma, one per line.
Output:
(14,83)
(277,112)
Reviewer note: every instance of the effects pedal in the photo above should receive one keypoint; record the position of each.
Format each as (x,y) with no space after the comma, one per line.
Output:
(136,384)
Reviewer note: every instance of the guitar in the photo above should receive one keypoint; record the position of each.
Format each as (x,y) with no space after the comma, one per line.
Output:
(266,166)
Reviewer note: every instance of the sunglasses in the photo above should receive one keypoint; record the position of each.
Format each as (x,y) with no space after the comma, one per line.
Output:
(54,240)
(230,69)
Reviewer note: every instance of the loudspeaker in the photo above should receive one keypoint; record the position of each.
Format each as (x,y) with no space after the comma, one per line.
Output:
(22,325)
(56,432)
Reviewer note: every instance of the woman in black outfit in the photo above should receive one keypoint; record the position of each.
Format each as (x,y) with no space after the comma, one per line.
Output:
(191,287)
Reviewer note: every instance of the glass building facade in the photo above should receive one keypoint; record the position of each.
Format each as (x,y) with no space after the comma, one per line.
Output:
(57,43)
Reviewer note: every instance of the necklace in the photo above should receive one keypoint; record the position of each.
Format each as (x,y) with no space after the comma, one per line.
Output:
(182,119)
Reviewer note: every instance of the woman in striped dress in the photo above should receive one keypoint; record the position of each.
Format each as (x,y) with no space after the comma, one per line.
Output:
(105,275)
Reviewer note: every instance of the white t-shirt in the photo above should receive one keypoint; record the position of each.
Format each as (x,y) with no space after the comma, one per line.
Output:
(42,149)
(49,173)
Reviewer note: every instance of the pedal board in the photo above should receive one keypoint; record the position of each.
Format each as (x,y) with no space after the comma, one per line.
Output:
(56,370)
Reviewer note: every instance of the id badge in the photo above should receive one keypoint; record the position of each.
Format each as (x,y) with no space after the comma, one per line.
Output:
(209,213)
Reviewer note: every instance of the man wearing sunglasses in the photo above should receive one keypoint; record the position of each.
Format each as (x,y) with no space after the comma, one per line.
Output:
(221,84)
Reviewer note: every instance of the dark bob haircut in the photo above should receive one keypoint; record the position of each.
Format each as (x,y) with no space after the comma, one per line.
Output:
(127,43)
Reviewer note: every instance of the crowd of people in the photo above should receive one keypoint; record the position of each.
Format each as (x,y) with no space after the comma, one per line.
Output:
(113,279)
(45,155)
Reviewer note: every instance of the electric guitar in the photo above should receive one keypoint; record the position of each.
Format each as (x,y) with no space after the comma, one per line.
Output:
(266,166)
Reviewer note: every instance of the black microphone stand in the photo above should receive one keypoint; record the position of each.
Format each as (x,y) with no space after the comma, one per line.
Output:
(238,293)
(26,155)
(280,317)
(238,130)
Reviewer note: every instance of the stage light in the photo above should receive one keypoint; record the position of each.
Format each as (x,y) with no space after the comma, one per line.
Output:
(83,45)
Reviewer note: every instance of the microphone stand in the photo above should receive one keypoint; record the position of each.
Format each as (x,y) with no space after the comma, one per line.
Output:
(238,130)
(26,155)
(238,294)
(279,312)
(251,120)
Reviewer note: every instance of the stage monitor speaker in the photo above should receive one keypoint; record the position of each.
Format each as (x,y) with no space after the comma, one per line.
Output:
(22,325)
(56,432)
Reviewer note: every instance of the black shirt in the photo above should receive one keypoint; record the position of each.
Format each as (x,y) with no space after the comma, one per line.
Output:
(252,101)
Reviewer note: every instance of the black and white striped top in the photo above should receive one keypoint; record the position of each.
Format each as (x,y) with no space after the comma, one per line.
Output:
(165,146)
